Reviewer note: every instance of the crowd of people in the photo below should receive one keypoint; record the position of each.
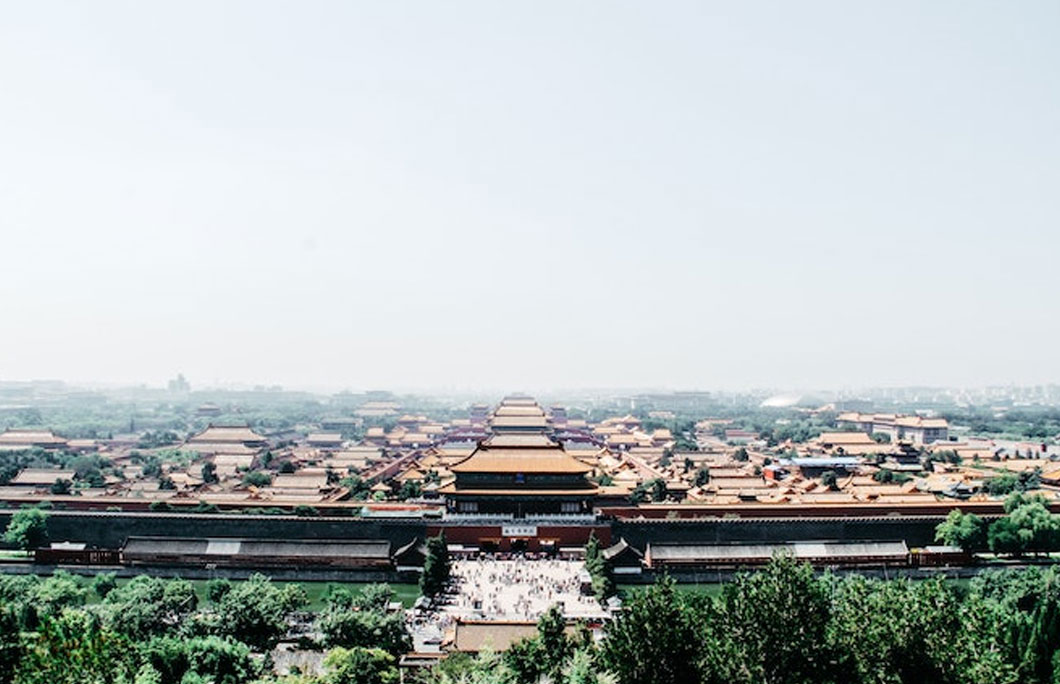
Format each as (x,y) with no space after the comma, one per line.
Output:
(519,589)
(514,588)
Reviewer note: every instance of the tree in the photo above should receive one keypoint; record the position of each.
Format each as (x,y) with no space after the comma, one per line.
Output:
(28,529)
(582,669)
(88,469)
(257,478)
(154,439)
(152,465)
(654,640)
(217,588)
(373,597)
(775,622)
(655,489)
(360,666)
(54,594)
(149,606)
(61,487)
(359,489)
(702,477)
(1002,485)
(898,631)
(557,647)
(11,646)
(410,489)
(1029,528)
(74,648)
(209,472)
(599,569)
(961,529)
(487,667)
(525,661)
(255,611)
(436,566)
(1003,537)
(93,477)
(1011,614)
(883,476)
(829,479)
(347,625)
(222,661)
(542,656)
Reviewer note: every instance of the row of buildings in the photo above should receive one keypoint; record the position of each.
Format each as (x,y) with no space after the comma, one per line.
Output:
(520,459)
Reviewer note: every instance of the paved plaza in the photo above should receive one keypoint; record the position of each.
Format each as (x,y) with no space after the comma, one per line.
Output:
(518,590)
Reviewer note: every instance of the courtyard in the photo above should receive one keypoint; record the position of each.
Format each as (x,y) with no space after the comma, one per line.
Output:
(516,590)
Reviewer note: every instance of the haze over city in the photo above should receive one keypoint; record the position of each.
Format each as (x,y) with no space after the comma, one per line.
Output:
(604,342)
(485,195)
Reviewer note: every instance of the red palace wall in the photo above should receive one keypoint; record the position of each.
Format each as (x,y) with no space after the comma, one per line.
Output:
(475,535)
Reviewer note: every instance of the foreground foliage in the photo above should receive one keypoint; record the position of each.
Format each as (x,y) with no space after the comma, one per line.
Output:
(153,631)
(436,566)
(781,625)
(786,625)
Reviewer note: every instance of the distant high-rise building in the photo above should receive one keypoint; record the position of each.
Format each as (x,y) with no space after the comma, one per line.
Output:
(179,384)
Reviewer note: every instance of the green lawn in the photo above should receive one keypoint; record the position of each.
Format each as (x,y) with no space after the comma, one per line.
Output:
(714,589)
(406,593)
(710,589)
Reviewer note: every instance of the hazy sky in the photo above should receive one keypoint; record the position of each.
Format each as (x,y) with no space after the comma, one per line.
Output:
(530,195)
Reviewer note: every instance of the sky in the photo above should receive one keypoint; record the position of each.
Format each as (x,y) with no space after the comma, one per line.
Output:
(530,196)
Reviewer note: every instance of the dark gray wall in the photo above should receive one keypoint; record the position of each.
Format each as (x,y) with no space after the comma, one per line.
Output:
(110,530)
(915,531)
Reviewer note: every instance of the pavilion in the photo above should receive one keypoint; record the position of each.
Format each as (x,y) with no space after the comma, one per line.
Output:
(520,475)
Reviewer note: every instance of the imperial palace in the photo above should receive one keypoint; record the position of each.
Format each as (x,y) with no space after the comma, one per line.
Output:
(519,470)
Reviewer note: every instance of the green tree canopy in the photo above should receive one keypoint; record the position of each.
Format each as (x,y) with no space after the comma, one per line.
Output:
(149,606)
(215,659)
(655,641)
(28,529)
(255,611)
(965,530)
(360,666)
(436,566)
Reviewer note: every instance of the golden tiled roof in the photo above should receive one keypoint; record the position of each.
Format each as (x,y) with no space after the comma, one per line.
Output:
(521,460)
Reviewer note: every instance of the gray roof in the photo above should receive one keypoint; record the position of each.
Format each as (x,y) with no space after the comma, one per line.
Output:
(943,549)
(618,548)
(262,548)
(799,549)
